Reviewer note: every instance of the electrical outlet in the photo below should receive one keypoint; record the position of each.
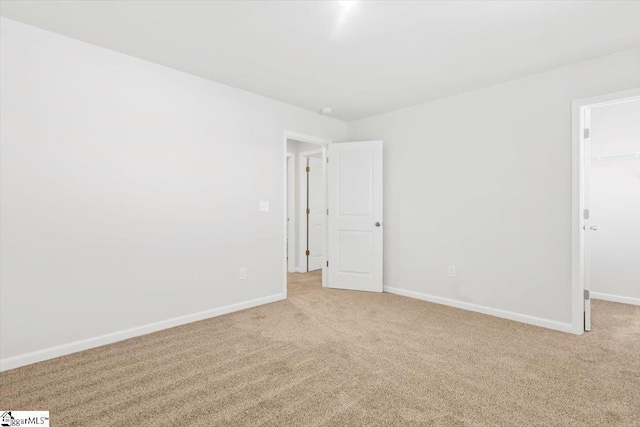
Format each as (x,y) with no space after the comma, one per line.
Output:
(242,274)
(452,271)
(264,206)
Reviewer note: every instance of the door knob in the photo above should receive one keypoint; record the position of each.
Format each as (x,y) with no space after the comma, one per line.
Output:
(594,227)
(377,224)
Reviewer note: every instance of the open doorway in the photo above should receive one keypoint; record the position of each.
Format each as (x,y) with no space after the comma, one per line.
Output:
(306,207)
(607,203)
(333,213)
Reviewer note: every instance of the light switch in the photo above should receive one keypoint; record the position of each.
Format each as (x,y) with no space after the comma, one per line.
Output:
(452,271)
(264,206)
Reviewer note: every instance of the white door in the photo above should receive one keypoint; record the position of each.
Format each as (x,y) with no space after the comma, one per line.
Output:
(317,213)
(586,227)
(354,190)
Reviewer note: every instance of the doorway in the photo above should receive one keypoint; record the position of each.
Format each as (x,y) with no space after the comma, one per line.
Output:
(305,205)
(606,200)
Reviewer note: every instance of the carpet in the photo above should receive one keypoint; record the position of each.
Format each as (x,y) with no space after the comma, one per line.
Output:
(327,357)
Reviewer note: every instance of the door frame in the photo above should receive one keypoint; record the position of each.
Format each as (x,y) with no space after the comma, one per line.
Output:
(580,263)
(324,143)
(302,203)
(290,211)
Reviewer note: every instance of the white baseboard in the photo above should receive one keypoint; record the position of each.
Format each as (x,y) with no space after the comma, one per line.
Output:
(73,347)
(524,318)
(615,298)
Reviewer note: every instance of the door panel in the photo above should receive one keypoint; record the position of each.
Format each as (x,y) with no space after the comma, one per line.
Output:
(354,179)
(355,252)
(317,215)
(354,192)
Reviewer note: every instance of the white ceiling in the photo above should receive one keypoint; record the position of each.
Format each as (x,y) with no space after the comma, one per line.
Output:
(372,58)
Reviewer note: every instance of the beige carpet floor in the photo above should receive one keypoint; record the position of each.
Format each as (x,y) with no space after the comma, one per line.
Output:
(342,358)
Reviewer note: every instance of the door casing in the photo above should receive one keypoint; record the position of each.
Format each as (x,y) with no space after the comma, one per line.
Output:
(290,210)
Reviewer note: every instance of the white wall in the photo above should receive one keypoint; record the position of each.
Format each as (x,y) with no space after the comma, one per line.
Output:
(482,181)
(130,191)
(615,201)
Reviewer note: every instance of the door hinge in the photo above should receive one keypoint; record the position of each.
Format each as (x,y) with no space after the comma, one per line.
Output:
(327,263)
(585,214)
(308,211)
(585,133)
(308,253)
(308,169)
(327,211)
(327,159)
(586,295)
